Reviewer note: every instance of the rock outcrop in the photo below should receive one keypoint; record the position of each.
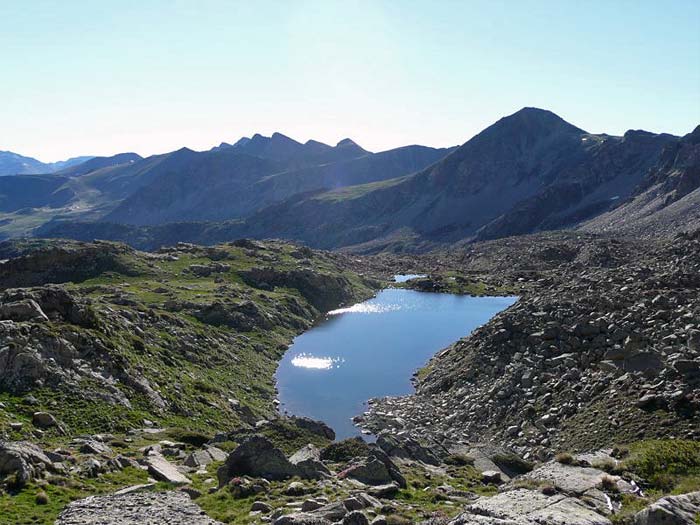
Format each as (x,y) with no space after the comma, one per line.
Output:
(154,508)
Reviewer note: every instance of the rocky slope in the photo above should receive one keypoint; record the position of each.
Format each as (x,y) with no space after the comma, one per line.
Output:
(602,347)
(668,200)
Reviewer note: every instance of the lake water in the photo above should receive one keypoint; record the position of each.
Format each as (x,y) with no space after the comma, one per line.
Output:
(372,349)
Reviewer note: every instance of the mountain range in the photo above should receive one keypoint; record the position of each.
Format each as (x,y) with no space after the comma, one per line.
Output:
(528,172)
(15,164)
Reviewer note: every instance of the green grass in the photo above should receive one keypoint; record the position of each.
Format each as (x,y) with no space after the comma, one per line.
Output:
(668,465)
(22,508)
(664,466)
(357,191)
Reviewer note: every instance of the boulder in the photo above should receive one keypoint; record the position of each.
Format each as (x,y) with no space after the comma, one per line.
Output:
(201,458)
(154,508)
(316,427)
(162,470)
(24,460)
(257,457)
(295,488)
(492,476)
(384,491)
(567,478)
(308,461)
(26,310)
(44,420)
(355,518)
(529,507)
(671,510)
(407,448)
(370,471)
(301,518)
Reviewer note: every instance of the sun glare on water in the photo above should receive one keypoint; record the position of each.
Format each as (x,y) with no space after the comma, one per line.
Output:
(318,363)
(366,308)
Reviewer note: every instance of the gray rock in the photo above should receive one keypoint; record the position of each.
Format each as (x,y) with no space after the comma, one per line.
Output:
(529,507)
(384,491)
(198,458)
(260,506)
(492,476)
(26,310)
(162,470)
(671,510)
(567,478)
(154,508)
(308,461)
(256,456)
(332,511)
(370,471)
(44,420)
(355,518)
(301,519)
(25,460)
(295,488)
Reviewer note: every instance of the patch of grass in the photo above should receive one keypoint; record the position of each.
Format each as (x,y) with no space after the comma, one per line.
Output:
(288,437)
(512,463)
(345,450)
(459,460)
(40,504)
(608,483)
(666,464)
(564,458)
(190,437)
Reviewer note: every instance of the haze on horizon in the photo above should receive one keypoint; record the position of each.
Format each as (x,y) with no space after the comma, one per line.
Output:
(88,78)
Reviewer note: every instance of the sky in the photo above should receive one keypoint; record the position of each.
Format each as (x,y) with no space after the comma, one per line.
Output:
(151,76)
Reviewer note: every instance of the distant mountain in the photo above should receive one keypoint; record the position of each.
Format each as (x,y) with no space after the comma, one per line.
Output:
(234,182)
(96,163)
(281,148)
(15,164)
(227,182)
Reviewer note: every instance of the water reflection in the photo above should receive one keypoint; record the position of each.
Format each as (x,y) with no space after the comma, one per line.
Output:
(318,363)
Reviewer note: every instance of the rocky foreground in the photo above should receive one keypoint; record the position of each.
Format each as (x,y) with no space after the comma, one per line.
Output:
(137,388)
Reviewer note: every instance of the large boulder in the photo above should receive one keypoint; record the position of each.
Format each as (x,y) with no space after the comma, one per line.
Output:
(256,456)
(376,469)
(24,460)
(301,518)
(316,427)
(26,310)
(567,478)
(162,470)
(672,510)
(407,448)
(308,460)
(529,507)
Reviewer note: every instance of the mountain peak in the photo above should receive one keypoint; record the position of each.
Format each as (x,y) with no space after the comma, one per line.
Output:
(532,121)
(241,142)
(280,138)
(347,143)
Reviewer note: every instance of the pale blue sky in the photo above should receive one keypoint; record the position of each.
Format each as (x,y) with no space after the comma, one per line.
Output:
(100,77)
